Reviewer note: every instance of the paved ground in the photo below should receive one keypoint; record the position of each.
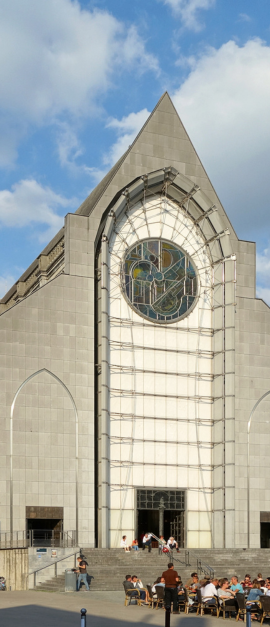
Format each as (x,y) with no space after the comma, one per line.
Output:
(104,609)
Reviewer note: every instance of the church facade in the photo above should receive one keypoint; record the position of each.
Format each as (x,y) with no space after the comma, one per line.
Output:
(133,351)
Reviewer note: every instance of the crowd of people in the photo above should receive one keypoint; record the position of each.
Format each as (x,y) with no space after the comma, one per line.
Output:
(146,543)
(223,591)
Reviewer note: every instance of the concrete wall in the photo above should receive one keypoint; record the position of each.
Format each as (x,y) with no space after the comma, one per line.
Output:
(14,567)
(37,560)
(251,382)
(51,330)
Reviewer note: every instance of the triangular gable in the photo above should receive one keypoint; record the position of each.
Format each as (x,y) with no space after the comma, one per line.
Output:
(162,142)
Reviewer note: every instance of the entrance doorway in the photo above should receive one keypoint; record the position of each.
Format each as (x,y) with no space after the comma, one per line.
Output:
(44,526)
(265,535)
(44,532)
(265,530)
(161,512)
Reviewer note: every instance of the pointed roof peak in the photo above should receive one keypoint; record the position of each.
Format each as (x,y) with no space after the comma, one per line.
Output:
(162,142)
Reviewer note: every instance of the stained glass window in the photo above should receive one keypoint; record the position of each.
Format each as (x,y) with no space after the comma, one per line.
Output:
(150,499)
(159,280)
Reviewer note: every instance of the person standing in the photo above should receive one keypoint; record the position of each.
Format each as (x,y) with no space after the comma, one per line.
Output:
(171,579)
(161,544)
(82,574)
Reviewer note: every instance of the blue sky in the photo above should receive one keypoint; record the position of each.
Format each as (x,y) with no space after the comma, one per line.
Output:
(77,81)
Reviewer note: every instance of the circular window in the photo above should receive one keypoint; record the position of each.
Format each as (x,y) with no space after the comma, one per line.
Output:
(159,280)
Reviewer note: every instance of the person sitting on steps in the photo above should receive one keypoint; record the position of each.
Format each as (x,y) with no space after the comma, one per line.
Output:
(172,544)
(147,541)
(135,545)
(124,544)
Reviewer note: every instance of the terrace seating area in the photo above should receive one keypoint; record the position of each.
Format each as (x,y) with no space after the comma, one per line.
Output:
(224,598)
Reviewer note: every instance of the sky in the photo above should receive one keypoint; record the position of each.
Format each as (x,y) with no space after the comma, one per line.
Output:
(78,80)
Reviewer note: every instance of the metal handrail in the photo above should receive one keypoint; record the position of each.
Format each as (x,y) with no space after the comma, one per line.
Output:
(186,562)
(201,566)
(22,539)
(61,559)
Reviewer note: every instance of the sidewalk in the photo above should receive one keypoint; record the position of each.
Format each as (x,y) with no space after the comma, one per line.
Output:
(104,609)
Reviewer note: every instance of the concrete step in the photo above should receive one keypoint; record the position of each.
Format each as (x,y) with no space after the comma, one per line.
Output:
(108,567)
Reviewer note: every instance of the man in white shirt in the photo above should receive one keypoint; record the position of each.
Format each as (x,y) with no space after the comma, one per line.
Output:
(137,583)
(172,544)
(147,541)
(210,591)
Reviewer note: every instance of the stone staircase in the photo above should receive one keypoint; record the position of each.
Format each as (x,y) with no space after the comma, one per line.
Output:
(108,567)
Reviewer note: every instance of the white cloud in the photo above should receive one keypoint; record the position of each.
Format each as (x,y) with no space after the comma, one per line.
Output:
(127,128)
(56,58)
(224,104)
(6,283)
(244,17)
(188,11)
(29,203)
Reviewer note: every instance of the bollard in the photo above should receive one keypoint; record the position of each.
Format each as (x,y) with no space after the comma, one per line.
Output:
(248,617)
(167,616)
(83,617)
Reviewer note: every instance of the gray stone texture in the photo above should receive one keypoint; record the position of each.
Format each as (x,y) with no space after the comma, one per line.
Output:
(53,329)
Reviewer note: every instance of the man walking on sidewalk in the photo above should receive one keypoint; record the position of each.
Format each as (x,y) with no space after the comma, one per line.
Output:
(171,583)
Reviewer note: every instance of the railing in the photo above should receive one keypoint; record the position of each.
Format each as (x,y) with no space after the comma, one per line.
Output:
(58,539)
(38,537)
(15,540)
(186,562)
(202,567)
(61,559)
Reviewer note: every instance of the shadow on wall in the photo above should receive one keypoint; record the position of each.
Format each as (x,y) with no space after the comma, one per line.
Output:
(33,615)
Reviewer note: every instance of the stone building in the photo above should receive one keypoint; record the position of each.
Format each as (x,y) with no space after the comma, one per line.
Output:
(133,350)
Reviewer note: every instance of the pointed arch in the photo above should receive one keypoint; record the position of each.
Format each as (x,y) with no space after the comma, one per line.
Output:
(54,376)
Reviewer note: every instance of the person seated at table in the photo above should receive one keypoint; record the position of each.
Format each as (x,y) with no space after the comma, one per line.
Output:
(202,584)
(226,594)
(124,545)
(190,581)
(193,582)
(263,586)
(260,577)
(267,585)
(254,595)
(210,590)
(160,582)
(247,583)
(137,583)
(135,545)
(235,585)
(172,544)
(147,541)
(180,587)
(128,587)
